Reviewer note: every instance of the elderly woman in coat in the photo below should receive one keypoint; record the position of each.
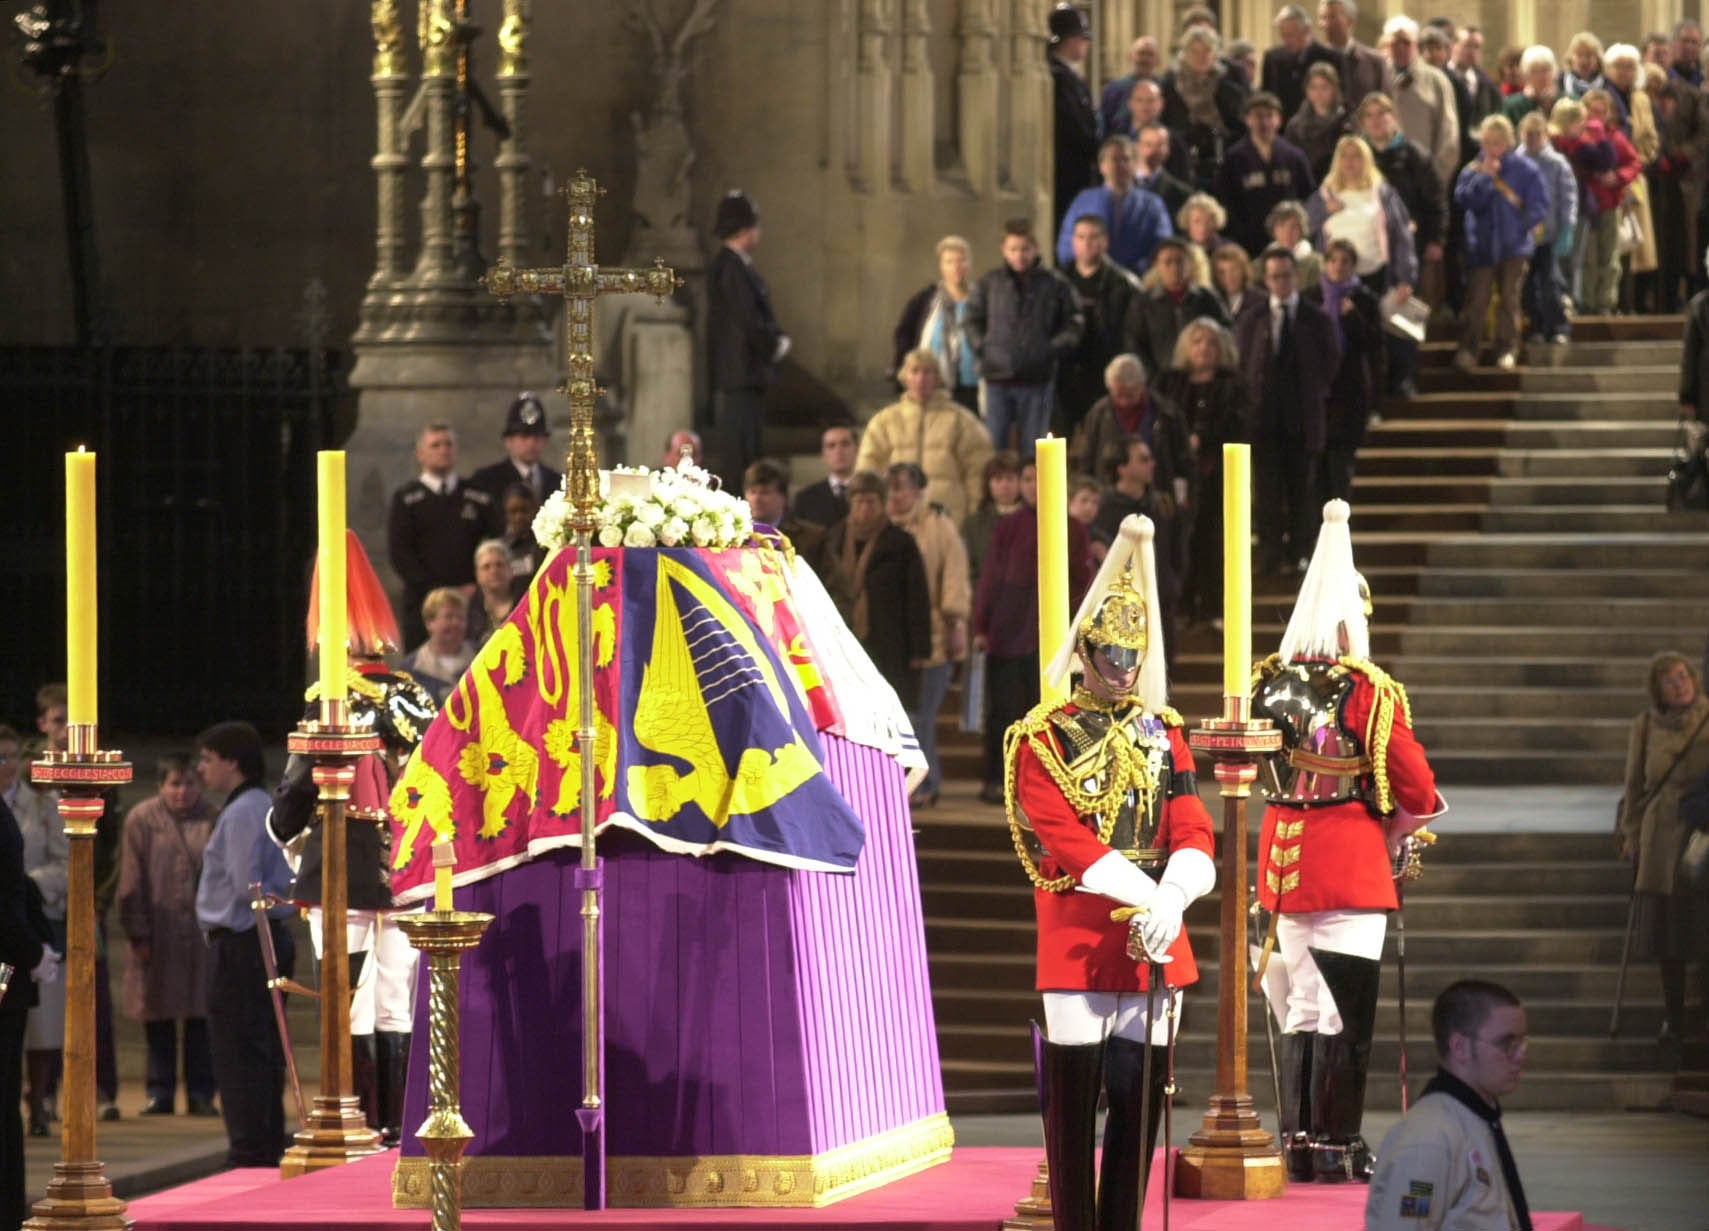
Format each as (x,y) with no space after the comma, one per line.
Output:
(1668,751)
(159,866)
(930,428)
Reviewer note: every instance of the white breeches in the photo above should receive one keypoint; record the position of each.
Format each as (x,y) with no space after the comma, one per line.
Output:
(1294,986)
(384,997)
(1072,1018)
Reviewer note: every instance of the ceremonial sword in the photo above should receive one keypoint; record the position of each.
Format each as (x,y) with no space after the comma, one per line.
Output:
(260,901)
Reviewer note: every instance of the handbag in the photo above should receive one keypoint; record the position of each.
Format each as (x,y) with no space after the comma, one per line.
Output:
(1631,230)
(1688,476)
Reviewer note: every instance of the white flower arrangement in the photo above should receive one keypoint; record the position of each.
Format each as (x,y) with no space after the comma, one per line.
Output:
(674,507)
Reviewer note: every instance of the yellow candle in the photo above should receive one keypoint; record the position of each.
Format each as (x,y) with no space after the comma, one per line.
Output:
(444,859)
(334,633)
(81,624)
(1052,459)
(1236,570)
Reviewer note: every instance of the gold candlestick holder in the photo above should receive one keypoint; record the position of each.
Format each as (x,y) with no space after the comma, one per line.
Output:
(334,1131)
(1232,1157)
(443,935)
(79,1196)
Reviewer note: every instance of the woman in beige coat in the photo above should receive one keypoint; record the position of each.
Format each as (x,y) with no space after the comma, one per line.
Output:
(935,432)
(945,557)
(1667,752)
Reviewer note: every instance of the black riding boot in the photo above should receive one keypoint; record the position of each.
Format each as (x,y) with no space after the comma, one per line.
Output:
(1293,1059)
(363,1079)
(394,1076)
(1339,1064)
(1135,1099)
(1068,1100)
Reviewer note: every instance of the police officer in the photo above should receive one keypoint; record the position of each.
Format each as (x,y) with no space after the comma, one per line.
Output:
(1104,809)
(525,436)
(436,522)
(1346,791)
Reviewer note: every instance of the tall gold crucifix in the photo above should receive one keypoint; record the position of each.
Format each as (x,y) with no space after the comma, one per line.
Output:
(580,282)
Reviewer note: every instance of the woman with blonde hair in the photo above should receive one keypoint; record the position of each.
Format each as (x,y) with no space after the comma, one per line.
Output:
(1202,103)
(1200,220)
(931,319)
(928,427)
(1583,71)
(1667,753)
(1203,387)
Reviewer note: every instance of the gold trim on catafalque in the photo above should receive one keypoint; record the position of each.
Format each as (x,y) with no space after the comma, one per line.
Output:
(686,1182)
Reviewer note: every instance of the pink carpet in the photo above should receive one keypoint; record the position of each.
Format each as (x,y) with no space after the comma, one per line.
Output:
(975,1191)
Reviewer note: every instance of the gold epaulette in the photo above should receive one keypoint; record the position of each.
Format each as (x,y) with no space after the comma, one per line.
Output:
(1390,698)
(1131,772)
(357,683)
(1264,668)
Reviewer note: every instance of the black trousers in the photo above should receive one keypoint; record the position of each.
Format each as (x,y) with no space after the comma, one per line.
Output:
(1011,689)
(739,417)
(14,1202)
(1286,517)
(243,1039)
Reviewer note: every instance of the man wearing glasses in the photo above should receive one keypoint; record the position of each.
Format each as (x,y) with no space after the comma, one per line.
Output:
(1447,1162)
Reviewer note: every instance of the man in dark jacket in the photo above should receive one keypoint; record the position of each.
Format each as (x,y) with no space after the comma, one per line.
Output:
(1154,152)
(525,436)
(1157,315)
(1260,171)
(1361,68)
(1104,291)
(435,523)
(743,339)
(1021,320)
(1285,64)
(1076,120)
(1352,309)
(23,947)
(1289,350)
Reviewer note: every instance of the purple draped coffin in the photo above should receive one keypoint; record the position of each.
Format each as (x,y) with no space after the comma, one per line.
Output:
(769,1031)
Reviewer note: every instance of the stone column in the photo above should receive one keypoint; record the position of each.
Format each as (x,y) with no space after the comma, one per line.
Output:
(1157,18)
(1113,33)
(389,161)
(513,162)
(434,265)
(976,93)
(874,89)
(1032,120)
(919,122)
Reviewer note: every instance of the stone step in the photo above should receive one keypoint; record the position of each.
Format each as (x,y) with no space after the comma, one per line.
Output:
(1652,518)
(1553,584)
(1685,551)
(1592,609)
(1606,355)
(1569,463)
(1586,434)
(1644,375)
(1646,490)
(1565,704)
(1555,672)
(1500,641)
(1376,459)
(1562,731)
(1570,405)
(1509,767)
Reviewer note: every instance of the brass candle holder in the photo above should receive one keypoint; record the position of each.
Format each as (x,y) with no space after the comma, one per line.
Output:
(443,935)
(79,1196)
(334,1132)
(1232,1157)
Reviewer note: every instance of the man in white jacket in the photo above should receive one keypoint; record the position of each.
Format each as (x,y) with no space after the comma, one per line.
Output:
(1447,1163)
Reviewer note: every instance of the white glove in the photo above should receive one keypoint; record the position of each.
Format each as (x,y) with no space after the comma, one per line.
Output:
(783,345)
(47,970)
(1161,923)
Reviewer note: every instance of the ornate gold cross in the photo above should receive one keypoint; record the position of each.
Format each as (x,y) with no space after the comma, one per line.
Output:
(580,282)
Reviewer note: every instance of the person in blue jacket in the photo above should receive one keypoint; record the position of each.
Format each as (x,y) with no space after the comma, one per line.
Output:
(1503,198)
(1135,218)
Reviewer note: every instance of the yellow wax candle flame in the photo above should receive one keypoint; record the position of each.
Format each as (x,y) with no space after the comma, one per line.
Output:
(1051,458)
(81,615)
(1236,569)
(334,617)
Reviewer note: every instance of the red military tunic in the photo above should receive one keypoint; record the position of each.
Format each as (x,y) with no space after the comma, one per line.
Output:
(1079,948)
(1336,857)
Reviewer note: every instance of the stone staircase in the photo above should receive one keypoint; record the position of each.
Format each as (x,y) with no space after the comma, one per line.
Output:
(1556,943)
(1512,528)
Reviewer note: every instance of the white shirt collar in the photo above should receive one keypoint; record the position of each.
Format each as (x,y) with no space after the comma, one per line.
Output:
(439,487)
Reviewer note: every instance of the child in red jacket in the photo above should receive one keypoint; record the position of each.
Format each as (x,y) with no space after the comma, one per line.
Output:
(1605,163)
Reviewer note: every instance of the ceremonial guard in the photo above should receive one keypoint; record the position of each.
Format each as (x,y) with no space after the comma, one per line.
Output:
(1104,810)
(1346,794)
(398,709)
